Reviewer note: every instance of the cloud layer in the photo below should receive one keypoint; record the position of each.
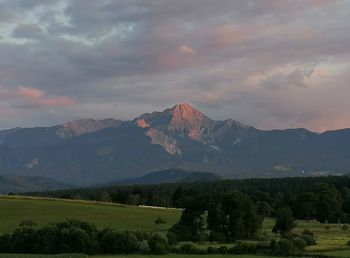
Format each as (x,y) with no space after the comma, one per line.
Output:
(268,63)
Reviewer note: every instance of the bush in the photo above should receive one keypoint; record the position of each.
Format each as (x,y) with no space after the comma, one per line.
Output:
(5,243)
(344,227)
(243,248)
(309,240)
(299,243)
(182,232)
(285,247)
(308,232)
(143,247)
(25,240)
(114,242)
(172,238)
(142,235)
(158,244)
(348,243)
(189,248)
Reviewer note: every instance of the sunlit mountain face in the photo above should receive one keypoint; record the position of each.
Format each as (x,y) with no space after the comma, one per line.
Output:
(98,151)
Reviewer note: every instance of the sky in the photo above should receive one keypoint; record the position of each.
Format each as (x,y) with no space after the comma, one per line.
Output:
(271,64)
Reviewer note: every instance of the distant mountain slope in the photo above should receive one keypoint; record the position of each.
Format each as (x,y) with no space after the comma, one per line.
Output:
(18,184)
(173,175)
(91,151)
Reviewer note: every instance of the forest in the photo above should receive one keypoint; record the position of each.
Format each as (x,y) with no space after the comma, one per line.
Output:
(323,199)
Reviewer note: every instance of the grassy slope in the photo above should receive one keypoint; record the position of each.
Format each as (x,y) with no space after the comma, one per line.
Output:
(13,210)
(181,256)
(128,256)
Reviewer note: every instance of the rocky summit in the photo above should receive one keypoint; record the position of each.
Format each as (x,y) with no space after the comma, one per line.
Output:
(98,151)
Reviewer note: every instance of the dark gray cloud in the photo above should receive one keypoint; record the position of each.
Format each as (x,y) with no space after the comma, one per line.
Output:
(268,63)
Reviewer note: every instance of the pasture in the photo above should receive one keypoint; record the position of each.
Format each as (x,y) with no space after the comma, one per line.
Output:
(13,210)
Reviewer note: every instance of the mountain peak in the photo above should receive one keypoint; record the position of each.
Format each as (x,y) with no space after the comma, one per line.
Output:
(181,118)
(183,107)
(186,113)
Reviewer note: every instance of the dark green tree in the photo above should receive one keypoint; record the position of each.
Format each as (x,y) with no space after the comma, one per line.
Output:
(285,221)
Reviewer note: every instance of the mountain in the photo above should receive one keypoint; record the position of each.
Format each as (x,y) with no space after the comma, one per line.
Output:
(20,184)
(173,175)
(86,152)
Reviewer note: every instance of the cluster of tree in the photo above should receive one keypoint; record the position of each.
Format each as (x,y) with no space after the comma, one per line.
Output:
(325,199)
(235,216)
(221,217)
(74,236)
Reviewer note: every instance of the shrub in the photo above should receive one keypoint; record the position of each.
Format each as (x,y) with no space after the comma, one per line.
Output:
(299,243)
(5,243)
(223,250)
(158,244)
(25,240)
(243,248)
(308,232)
(114,242)
(142,235)
(172,238)
(285,247)
(348,243)
(189,248)
(344,227)
(143,247)
(309,240)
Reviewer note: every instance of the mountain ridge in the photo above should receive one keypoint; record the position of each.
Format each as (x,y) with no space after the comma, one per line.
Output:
(95,151)
(171,175)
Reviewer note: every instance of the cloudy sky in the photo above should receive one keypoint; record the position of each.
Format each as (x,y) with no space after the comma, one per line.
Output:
(266,63)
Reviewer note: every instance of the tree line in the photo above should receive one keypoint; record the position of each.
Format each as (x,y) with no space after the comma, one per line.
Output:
(324,199)
(75,236)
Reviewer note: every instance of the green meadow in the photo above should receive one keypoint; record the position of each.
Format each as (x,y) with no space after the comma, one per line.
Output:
(331,239)
(13,210)
(125,256)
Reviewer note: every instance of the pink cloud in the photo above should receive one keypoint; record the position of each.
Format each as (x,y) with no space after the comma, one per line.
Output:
(184,56)
(32,98)
(186,50)
(30,93)
(54,102)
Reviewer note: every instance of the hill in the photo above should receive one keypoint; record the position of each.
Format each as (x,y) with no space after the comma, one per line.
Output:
(20,184)
(101,151)
(173,175)
(43,211)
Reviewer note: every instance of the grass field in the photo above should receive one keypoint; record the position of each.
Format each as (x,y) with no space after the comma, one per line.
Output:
(43,256)
(126,256)
(13,210)
(182,256)
(330,239)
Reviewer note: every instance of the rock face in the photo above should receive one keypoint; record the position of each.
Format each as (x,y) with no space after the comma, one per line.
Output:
(182,120)
(83,126)
(95,151)
(168,143)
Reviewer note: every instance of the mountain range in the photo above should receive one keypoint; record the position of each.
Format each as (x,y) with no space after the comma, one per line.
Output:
(171,175)
(19,184)
(88,151)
